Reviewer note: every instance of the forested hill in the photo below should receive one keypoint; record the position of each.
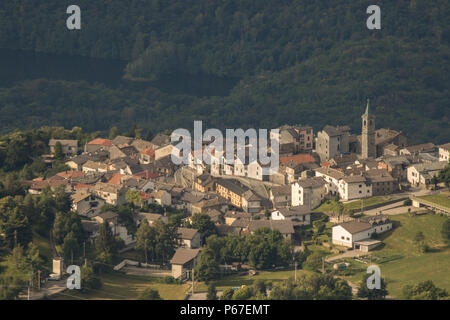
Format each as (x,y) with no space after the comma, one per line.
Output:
(299,62)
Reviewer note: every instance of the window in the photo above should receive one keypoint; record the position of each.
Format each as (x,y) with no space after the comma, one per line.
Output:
(342,238)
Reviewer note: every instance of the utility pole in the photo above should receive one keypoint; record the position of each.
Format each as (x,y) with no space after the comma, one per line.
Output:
(193,281)
(30,283)
(145,249)
(84,249)
(39,280)
(295,272)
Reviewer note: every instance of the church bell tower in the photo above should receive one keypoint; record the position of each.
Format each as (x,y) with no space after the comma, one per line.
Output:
(368,147)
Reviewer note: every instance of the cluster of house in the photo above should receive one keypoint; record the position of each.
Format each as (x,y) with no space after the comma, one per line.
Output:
(238,198)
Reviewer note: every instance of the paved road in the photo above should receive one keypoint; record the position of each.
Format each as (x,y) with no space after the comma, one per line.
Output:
(49,289)
(202,295)
(347,254)
(392,209)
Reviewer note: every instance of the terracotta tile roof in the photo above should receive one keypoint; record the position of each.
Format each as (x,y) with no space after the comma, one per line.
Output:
(72,174)
(81,186)
(145,196)
(100,141)
(116,178)
(148,175)
(299,158)
(148,151)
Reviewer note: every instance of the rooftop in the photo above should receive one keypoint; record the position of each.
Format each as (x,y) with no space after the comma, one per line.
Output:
(184,255)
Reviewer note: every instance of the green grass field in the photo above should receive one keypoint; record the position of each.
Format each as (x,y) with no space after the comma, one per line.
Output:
(407,265)
(439,199)
(118,286)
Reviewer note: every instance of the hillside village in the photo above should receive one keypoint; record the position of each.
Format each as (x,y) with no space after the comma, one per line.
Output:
(369,172)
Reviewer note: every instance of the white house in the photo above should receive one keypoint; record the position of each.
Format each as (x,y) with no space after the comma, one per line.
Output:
(308,192)
(354,187)
(331,176)
(351,232)
(444,152)
(189,238)
(421,175)
(300,214)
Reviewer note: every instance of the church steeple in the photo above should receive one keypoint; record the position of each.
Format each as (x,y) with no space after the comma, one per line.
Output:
(368,147)
(367,107)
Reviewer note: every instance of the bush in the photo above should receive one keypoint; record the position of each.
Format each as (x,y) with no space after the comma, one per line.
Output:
(314,261)
(170,280)
(149,294)
(212,293)
(227,294)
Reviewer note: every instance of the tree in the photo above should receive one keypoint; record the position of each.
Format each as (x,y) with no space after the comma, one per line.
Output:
(132,133)
(212,292)
(16,276)
(146,239)
(444,175)
(166,239)
(113,132)
(314,261)
(227,294)
(202,222)
(435,181)
(425,290)
(372,294)
(207,267)
(59,155)
(149,294)
(134,197)
(89,281)
(149,135)
(243,293)
(105,243)
(71,248)
(16,228)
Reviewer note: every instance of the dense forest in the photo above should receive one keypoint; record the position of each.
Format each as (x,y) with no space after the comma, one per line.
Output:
(296,61)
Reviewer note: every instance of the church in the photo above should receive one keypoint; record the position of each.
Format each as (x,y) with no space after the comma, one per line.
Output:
(368,147)
(372,143)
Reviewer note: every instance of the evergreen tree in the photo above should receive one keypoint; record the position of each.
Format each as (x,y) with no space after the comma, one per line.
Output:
(372,294)
(59,155)
(212,292)
(114,132)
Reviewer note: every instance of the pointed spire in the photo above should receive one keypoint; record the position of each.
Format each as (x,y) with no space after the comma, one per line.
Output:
(367,107)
